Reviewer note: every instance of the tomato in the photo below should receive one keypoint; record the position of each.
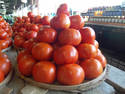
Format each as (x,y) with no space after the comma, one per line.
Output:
(60,22)
(9,41)
(3,34)
(45,20)
(22,29)
(65,55)
(63,9)
(9,32)
(40,26)
(47,35)
(95,43)
(3,44)
(29,44)
(77,22)
(86,51)
(25,66)
(34,27)
(23,54)
(30,35)
(30,14)
(92,68)
(70,36)
(88,35)
(37,19)
(44,72)
(2,76)
(27,19)
(101,58)
(42,51)
(5,65)
(18,41)
(70,74)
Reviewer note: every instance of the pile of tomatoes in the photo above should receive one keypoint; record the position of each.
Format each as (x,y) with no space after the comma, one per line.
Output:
(5,66)
(64,51)
(5,34)
(26,28)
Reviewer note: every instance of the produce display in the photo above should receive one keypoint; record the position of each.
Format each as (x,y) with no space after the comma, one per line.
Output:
(58,50)
(5,66)
(5,34)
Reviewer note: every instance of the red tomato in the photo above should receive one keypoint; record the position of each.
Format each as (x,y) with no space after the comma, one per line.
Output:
(3,44)
(101,58)
(77,22)
(1,76)
(30,14)
(40,26)
(22,29)
(42,51)
(5,65)
(44,72)
(45,20)
(3,55)
(60,22)
(18,41)
(30,35)
(63,9)
(70,37)
(47,35)
(86,51)
(22,54)
(9,41)
(34,27)
(92,68)
(29,44)
(3,34)
(25,65)
(95,43)
(88,35)
(37,19)
(70,74)
(65,55)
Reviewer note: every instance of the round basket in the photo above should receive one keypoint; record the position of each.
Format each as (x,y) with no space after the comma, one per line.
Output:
(7,79)
(86,85)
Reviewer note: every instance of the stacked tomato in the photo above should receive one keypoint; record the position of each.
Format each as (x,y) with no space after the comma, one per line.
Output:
(65,51)
(26,29)
(5,66)
(5,34)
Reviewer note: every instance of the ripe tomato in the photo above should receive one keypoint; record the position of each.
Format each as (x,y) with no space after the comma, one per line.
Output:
(29,44)
(63,9)
(42,51)
(3,44)
(86,51)
(1,76)
(5,65)
(22,54)
(77,22)
(30,14)
(9,41)
(40,26)
(18,41)
(65,55)
(25,65)
(45,20)
(47,35)
(88,35)
(30,35)
(70,36)
(101,58)
(37,19)
(44,72)
(95,43)
(22,29)
(70,74)
(3,34)
(92,68)
(34,27)
(60,22)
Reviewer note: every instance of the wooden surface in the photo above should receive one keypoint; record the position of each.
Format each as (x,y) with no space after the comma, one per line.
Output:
(19,86)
